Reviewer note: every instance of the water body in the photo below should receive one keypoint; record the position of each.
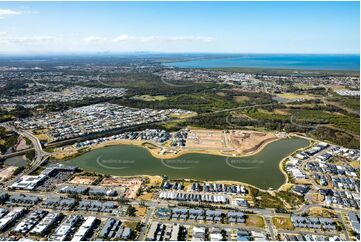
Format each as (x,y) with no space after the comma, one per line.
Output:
(273,61)
(19,161)
(261,170)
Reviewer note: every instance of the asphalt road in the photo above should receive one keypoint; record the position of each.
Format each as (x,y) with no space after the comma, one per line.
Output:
(39,157)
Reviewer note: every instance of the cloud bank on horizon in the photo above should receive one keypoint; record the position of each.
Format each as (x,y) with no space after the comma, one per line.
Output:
(258,27)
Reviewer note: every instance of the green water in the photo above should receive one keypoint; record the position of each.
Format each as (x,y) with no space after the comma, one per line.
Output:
(261,170)
(19,161)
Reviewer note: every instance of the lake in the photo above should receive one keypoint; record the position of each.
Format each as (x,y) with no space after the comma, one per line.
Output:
(276,61)
(19,161)
(261,170)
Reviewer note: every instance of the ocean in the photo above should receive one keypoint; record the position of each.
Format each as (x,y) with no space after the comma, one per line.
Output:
(276,61)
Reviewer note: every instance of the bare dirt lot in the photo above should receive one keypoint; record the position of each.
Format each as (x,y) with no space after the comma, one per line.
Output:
(205,139)
(131,185)
(237,142)
(5,173)
(249,141)
(83,180)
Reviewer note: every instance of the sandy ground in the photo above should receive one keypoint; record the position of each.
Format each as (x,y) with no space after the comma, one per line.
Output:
(41,134)
(263,139)
(5,173)
(285,187)
(248,141)
(321,212)
(140,210)
(282,222)
(234,142)
(147,196)
(294,96)
(131,185)
(254,221)
(83,180)
(154,181)
(21,144)
(214,142)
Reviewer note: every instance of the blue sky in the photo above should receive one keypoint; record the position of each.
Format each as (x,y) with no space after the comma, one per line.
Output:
(237,27)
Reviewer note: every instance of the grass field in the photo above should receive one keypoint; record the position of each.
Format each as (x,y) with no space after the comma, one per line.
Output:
(241,99)
(321,212)
(265,199)
(294,96)
(131,224)
(255,221)
(282,223)
(349,102)
(181,116)
(149,98)
(140,211)
(260,114)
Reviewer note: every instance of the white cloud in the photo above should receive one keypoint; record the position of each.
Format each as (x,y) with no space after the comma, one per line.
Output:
(10,41)
(6,12)
(4,37)
(127,38)
(189,38)
(162,38)
(120,38)
(93,39)
(31,39)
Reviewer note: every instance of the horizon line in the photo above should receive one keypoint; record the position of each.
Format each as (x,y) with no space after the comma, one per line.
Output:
(164,52)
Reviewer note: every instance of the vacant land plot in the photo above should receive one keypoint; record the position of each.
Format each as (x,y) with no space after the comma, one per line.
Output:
(321,212)
(83,180)
(236,141)
(131,185)
(154,181)
(205,139)
(7,172)
(254,221)
(41,134)
(147,196)
(22,145)
(248,141)
(149,98)
(294,96)
(183,115)
(140,211)
(42,137)
(241,99)
(282,223)
(281,112)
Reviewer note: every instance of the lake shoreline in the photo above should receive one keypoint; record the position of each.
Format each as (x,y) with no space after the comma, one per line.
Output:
(156,151)
(243,173)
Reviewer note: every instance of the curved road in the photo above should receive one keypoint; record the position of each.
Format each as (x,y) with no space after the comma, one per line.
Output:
(39,157)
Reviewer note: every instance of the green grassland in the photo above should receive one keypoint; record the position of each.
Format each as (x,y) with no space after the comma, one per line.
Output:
(345,122)
(150,98)
(278,200)
(7,139)
(204,101)
(260,114)
(282,223)
(349,102)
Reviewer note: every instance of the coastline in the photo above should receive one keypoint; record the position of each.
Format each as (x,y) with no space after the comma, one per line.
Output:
(248,63)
